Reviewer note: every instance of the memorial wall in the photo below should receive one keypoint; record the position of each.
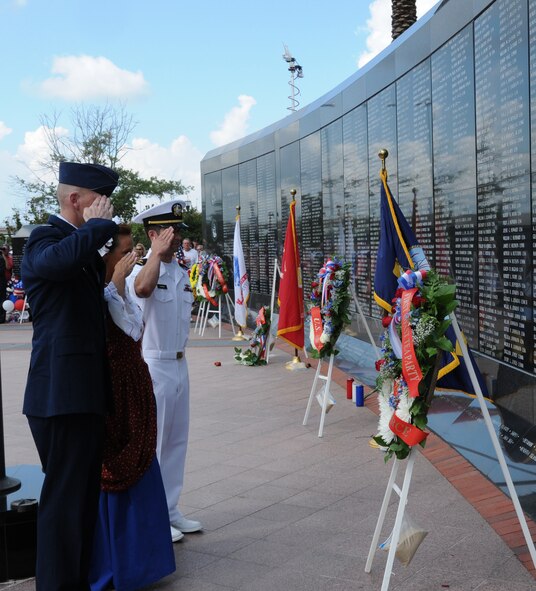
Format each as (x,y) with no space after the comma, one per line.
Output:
(452,101)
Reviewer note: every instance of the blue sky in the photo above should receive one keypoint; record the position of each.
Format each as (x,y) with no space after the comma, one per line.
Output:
(194,75)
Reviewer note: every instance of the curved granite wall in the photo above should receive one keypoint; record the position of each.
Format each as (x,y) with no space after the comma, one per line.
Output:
(452,100)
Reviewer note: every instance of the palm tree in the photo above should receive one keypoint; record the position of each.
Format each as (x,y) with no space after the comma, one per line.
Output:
(404,14)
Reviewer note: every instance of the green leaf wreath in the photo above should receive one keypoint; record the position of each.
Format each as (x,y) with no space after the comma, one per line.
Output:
(431,304)
(331,295)
(211,278)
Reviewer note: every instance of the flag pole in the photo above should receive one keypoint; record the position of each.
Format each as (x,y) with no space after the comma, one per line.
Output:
(382,155)
(296,363)
(239,336)
(7,484)
(495,441)
(277,273)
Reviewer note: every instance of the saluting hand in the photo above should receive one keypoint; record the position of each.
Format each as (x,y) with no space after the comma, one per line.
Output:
(162,244)
(101,208)
(125,265)
(122,270)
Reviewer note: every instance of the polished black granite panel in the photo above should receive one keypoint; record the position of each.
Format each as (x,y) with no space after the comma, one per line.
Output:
(459,122)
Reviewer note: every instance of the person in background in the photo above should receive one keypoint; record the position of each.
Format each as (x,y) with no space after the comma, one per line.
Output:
(132,546)
(8,259)
(162,289)
(140,251)
(200,252)
(190,255)
(68,390)
(3,285)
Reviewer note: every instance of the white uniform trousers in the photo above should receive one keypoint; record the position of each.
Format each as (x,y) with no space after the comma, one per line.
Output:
(172,392)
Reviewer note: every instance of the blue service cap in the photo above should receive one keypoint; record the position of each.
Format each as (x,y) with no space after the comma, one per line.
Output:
(163,214)
(98,178)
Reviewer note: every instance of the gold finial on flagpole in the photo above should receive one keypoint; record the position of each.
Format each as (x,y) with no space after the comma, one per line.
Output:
(382,155)
(293,193)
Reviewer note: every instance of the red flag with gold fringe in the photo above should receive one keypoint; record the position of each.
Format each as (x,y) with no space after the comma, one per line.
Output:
(290,326)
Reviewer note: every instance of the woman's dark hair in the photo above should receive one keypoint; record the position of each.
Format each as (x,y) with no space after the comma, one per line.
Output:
(123,230)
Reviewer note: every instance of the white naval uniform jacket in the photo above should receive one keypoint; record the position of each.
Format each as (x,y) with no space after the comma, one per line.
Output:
(166,313)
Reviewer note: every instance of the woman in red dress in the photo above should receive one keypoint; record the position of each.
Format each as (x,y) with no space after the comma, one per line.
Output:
(132,545)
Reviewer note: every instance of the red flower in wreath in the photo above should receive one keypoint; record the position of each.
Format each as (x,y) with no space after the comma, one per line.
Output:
(379,363)
(386,321)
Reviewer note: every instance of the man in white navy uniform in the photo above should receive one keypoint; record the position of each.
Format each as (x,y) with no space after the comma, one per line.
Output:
(162,289)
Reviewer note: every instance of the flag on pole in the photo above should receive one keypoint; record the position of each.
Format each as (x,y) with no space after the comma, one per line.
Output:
(290,299)
(454,374)
(241,281)
(398,251)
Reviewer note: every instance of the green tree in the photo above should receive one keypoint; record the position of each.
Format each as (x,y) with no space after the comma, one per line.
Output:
(194,220)
(99,136)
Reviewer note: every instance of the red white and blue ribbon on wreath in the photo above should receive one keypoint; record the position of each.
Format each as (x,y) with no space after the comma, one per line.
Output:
(213,269)
(407,294)
(321,296)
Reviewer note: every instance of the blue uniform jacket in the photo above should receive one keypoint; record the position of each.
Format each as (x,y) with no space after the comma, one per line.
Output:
(64,278)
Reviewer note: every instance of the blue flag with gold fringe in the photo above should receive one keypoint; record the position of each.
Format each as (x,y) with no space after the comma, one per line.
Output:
(454,374)
(398,251)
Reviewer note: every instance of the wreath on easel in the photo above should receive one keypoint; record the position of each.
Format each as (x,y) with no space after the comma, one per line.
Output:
(412,347)
(329,307)
(256,353)
(194,278)
(212,278)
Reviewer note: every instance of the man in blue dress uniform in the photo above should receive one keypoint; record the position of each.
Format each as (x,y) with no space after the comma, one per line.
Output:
(161,287)
(68,388)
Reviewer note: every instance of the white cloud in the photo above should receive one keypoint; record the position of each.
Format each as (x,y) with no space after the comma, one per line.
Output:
(85,77)
(235,122)
(379,26)
(180,161)
(21,3)
(9,197)
(34,151)
(4,130)
(24,163)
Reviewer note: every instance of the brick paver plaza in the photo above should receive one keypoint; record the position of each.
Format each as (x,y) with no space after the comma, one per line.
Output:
(284,510)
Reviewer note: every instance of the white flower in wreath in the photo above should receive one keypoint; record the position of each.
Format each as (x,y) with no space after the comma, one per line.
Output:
(403,410)
(325,337)
(386,413)
(199,288)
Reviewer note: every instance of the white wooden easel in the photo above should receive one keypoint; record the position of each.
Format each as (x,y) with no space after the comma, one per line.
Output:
(200,316)
(23,311)
(325,393)
(403,494)
(217,311)
(391,485)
